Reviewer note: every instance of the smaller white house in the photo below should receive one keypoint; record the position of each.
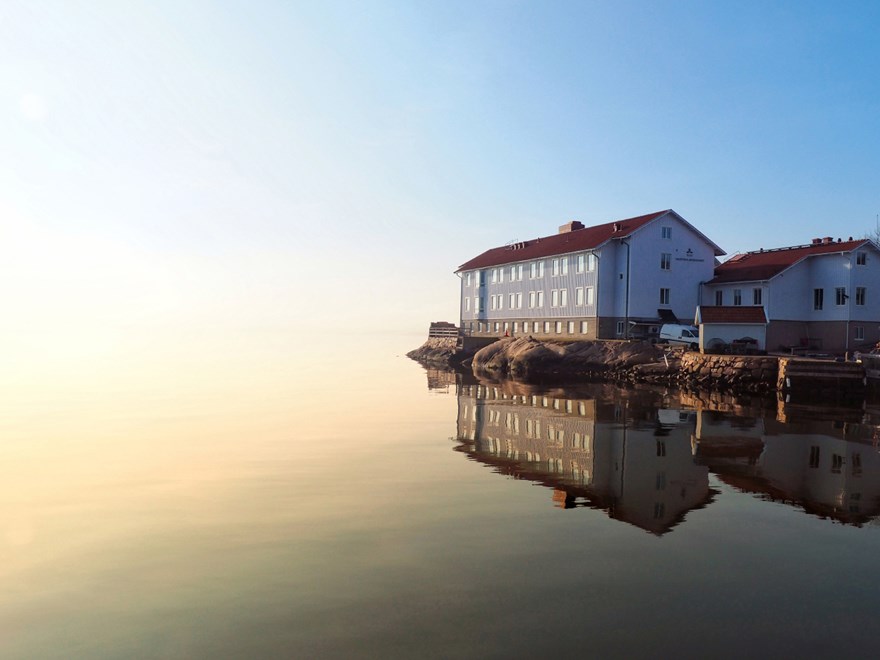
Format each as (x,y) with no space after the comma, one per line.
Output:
(727,327)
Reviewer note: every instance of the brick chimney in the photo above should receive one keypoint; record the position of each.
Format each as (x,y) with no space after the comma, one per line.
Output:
(570,226)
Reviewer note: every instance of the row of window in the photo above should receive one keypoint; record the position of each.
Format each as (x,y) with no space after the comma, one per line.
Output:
(840,297)
(583,263)
(541,327)
(558,298)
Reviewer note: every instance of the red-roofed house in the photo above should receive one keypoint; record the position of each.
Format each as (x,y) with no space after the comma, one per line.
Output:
(588,282)
(825,295)
(726,325)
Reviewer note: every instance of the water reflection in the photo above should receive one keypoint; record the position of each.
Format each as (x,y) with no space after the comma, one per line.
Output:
(644,456)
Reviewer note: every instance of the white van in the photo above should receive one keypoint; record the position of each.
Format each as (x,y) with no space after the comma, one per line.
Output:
(672,333)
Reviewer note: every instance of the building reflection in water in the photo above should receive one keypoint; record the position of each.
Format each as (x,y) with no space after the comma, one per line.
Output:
(644,456)
(596,448)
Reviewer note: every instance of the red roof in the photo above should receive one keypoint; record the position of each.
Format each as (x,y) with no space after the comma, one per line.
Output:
(573,241)
(764,264)
(729,314)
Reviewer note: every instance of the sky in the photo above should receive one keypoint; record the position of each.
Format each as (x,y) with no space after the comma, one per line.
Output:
(180,169)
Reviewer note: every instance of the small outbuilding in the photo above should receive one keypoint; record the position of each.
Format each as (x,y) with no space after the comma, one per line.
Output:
(731,328)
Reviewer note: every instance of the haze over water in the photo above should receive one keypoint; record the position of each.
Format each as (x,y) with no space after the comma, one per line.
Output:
(228,498)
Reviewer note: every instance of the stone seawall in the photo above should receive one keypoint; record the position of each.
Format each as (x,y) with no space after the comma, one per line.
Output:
(730,372)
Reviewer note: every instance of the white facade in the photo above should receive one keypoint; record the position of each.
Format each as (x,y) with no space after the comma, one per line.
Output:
(597,291)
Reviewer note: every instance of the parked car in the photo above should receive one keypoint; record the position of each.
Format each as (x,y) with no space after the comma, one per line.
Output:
(673,333)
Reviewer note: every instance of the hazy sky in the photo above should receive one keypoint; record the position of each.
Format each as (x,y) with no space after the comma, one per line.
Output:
(179,166)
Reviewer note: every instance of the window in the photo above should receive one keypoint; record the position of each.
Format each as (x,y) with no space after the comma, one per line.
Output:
(519,272)
(840,295)
(559,327)
(818,299)
(581,262)
(515,327)
(500,274)
(661,448)
(563,263)
(571,327)
(554,298)
(664,296)
(836,462)
(861,258)
(579,296)
(519,300)
(540,269)
(531,299)
(860,295)
(480,304)
(665,261)
(467,304)
(467,279)
(585,327)
(512,273)
(563,297)
(814,456)
(860,333)
(589,295)
(481,277)
(496,326)
(547,327)
(533,270)
(591,262)
(737,297)
(756,296)
(511,301)
(540,298)
(719,298)
(620,328)
(494,275)
(555,267)
(506,326)
(666,232)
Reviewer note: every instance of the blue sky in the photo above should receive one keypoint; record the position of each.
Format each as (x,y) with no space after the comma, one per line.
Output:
(167,164)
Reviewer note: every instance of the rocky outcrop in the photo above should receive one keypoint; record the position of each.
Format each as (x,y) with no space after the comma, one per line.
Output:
(527,358)
(438,351)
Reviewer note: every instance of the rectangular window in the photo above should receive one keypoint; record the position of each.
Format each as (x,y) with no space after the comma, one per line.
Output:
(589,295)
(836,462)
(579,296)
(519,272)
(540,269)
(581,262)
(511,301)
(519,301)
(661,448)
(479,304)
(533,270)
(494,275)
(665,261)
(467,304)
(559,327)
(620,328)
(861,258)
(571,327)
(496,326)
(531,299)
(467,279)
(840,295)
(860,295)
(556,267)
(500,274)
(563,297)
(540,298)
(666,232)
(547,327)
(515,327)
(814,456)
(585,327)
(737,297)
(860,333)
(554,298)
(564,265)
(591,262)
(756,296)
(818,299)
(664,296)
(719,298)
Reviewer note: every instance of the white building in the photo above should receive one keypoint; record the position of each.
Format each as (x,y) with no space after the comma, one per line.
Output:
(823,296)
(589,282)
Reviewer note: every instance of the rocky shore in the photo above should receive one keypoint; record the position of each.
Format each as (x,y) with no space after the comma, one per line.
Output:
(532,360)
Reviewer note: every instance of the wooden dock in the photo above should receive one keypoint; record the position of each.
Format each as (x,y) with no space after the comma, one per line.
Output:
(820,379)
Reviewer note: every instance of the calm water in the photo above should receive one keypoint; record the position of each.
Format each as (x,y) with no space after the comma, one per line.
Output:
(189,505)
